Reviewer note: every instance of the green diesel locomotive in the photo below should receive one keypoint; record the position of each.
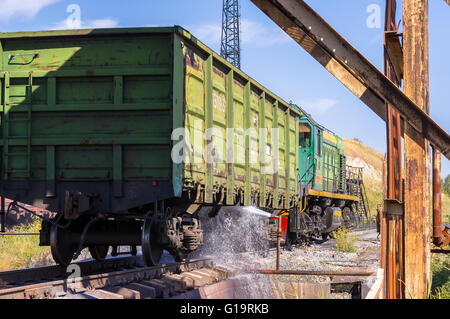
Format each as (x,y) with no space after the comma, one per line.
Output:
(331,193)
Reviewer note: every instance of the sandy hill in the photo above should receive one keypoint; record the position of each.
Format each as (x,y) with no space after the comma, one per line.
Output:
(360,155)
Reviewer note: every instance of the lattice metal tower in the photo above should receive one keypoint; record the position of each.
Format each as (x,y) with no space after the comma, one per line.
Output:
(230,48)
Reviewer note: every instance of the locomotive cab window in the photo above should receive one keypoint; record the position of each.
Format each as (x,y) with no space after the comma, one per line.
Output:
(304,135)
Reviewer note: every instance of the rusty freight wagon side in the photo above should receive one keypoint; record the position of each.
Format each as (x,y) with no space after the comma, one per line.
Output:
(88,129)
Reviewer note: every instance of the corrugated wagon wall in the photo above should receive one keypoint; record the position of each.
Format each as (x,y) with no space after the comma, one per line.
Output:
(221,97)
(86,106)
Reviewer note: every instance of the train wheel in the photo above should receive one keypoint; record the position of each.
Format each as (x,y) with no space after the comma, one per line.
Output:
(99,252)
(61,247)
(151,250)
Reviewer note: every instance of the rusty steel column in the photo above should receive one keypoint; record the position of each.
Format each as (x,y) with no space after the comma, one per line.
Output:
(393,127)
(393,233)
(438,237)
(417,154)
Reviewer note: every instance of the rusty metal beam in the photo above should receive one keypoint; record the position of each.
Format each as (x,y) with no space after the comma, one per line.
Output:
(350,67)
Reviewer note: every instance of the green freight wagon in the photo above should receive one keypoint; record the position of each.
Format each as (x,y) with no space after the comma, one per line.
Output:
(88,128)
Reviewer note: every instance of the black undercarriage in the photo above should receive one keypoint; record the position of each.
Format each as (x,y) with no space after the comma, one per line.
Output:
(177,228)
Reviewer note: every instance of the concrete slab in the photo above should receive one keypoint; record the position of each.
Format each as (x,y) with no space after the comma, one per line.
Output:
(161,291)
(145,291)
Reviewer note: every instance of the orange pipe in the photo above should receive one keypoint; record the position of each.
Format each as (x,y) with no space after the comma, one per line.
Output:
(438,237)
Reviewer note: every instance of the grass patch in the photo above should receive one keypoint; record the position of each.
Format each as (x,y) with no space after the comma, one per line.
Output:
(440,264)
(440,267)
(344,242)
(21,251)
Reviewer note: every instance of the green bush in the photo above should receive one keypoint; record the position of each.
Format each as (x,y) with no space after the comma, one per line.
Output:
(21,251)
(440,267)
(344,242)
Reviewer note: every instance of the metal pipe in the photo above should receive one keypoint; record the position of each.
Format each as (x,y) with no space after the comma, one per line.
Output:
(315,272)
(438,237)
(440,251)
(277,267)
(2,215)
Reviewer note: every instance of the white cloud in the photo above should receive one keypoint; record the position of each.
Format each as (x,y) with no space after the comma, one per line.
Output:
(253,34)
(258,35)
(103,23)
(210,34)
(89,24)
(319,105)
(23,8)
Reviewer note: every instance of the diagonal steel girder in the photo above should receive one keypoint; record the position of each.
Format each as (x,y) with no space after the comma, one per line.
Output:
(350,67)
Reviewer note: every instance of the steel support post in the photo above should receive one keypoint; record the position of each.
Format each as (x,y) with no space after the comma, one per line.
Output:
(392,252)
(417,154)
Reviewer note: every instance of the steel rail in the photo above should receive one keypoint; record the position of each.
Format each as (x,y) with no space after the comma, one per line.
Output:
(350,67)
(54,289)
(13,278)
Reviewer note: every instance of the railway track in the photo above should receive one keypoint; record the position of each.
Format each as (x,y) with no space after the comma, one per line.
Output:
(30,276)
(118,278)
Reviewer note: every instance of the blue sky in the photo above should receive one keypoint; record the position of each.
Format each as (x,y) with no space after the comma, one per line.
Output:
(268,55)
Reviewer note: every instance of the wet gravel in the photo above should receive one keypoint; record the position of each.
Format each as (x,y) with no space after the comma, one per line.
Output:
(315,256)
